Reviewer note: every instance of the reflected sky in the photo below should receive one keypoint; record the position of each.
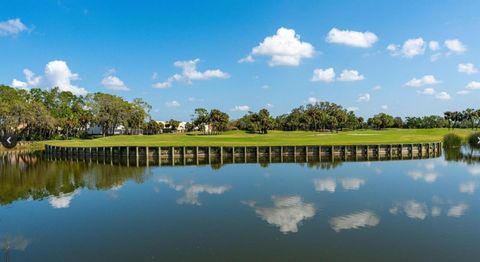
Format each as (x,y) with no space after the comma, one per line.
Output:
(287,212)
(192,190)
(354,221)
(374,211)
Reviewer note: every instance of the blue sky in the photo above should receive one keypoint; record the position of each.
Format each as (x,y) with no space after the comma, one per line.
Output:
(400,57)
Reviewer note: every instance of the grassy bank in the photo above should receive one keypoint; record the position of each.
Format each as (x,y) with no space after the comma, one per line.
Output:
(240,138)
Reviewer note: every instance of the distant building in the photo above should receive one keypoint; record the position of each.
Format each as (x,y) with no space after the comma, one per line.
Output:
(207,129)
(96,130)
(168,129)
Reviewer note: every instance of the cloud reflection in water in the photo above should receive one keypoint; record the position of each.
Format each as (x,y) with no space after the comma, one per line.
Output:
(63,200)
(287,212)
(193,190)
(355,221)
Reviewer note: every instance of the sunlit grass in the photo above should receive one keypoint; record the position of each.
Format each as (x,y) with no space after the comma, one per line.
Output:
(241,138)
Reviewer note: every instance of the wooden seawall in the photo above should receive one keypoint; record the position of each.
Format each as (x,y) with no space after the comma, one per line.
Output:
(183,155)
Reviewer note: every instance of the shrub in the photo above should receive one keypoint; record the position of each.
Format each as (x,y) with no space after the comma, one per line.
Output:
(452,140)
(473,140)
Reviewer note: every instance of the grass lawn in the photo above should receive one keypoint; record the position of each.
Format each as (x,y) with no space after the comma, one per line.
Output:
(273,138)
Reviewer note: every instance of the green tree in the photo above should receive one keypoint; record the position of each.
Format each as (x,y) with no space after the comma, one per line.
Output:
(219,120)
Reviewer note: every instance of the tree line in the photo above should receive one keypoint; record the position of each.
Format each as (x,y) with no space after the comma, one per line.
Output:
(54,114)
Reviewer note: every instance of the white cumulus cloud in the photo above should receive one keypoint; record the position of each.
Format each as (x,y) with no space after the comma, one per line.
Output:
(364,98)
(56,74)
(284,49)
(473,85)
(467,68)
(455,46)
(427,91)
(443,96)
(352,38)
(313,100)
(12,27)
(112,82)
(323,75)
(241,108)
(172,103)
(425,80)
(350,75)
(413,47)
(433,45)
(190,74)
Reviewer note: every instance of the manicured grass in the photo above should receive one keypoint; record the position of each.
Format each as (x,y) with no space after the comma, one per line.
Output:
(273,138)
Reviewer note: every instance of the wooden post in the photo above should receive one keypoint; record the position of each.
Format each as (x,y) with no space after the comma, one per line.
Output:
(245,154)
(378,152)
(136,156)
(221,155)
(295,154)
(368,153)
(159,155)
(281,154)
(146,156)
(196,155)
(173,155)
(183,155)
(306,154)
(208,153)
(258,157)
(270,154)
(319,153)
(233,154)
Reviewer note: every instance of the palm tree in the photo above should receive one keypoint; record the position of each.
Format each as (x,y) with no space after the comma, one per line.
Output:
(469,115)
(448,116)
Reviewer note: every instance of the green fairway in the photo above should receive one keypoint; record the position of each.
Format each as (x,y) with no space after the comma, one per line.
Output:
(273,138)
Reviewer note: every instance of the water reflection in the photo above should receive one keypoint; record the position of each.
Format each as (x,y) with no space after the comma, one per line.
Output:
(468,187)
(425,176)
(412,209)
(355,221)
(192,190)
(189,214)
(457,210)
(28,176)
(62,200)
(419,210)
(327,184)
(13,243)
(330,185)
(287,212)
(474,170)
(352,183)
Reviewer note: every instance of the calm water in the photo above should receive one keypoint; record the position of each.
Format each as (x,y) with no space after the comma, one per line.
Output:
(410,210)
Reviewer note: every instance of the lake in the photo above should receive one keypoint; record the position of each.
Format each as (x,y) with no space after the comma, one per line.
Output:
(396,210)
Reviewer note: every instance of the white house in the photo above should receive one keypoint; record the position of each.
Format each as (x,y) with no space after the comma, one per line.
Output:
(97,130)
(167,128)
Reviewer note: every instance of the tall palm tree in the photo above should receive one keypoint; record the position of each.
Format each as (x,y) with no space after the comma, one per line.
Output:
(448,116)
(469,115)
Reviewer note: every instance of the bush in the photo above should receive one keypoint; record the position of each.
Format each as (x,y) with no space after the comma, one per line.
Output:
(473,140)
(452,140)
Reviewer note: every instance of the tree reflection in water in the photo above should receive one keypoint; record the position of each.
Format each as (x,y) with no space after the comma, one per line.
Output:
(29,176)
